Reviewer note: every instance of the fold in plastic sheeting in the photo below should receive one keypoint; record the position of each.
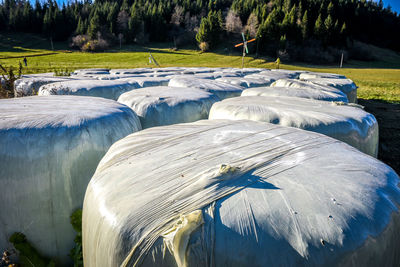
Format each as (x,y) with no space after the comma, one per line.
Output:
(49,149)
(346,122)
(239,193)
(220,89)
(347,86)
(164,105)
(110,89)
(148,81)
(245,82)
(337,95)
(94,71)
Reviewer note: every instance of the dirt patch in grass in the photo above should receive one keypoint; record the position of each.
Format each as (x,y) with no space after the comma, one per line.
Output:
(388,116)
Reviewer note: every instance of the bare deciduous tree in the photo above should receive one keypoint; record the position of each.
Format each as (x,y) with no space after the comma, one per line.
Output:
(177,16)
(123,20)
(191,22)
(233,22)
(251,27)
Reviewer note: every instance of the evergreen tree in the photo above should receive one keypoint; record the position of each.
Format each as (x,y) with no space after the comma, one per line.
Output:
(210,28)
(305,26)
(94,26)
(319,28)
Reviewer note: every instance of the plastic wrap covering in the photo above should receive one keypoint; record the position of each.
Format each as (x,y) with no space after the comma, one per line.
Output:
(337,95)
(161,105)
(161,74)
(295,74)
(347,86)
(309,93)
(347,123)
(31,85)
(245,82)
(313,75)
(271,76)
(84,72)
(280,74)
(220,89)
(169,69)
(115,77)
(239,193)
(210,76)
(99,88)
(220,74)
(197,70)
(49,149)
(130,71)
(148,81)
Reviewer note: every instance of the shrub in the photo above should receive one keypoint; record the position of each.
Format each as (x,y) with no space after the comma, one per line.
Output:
(7,88)
(95,45)
(204,46)
(78,41)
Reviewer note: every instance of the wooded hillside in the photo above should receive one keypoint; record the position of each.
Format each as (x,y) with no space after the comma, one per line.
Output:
(299,29)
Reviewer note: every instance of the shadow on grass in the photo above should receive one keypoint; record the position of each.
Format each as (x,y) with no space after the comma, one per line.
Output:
(388,116)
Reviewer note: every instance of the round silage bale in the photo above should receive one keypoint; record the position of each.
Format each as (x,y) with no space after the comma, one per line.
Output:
(347,86)
(304,92)
(30,85)
(148,81)
(110,89)
(163,105)
(239,193)
(314,75)
(49,149)
(339,95)
(245,81)
(220,89)
(347,123)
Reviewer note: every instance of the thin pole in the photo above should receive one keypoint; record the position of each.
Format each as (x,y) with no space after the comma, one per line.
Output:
(341,61)
(244,54)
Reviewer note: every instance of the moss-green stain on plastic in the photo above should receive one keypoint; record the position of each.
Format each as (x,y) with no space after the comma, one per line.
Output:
(28,255)
(76,252)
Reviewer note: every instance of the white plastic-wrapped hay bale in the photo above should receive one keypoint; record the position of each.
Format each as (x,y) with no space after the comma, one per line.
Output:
(162,74)
(49,149)
(130,71)
(110,89)
(337,94)
(314,75)
(347,86)
(148,81)
(239,193)
(115,76)
(94,71)
(197,70)
(31,85)
(272,76)
(245,81)
(294,74)
(164,105)
(221,74)
(304,92)
(220,89)
(347,123)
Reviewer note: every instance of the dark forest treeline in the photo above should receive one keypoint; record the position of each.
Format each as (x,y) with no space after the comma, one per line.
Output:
(279,25)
